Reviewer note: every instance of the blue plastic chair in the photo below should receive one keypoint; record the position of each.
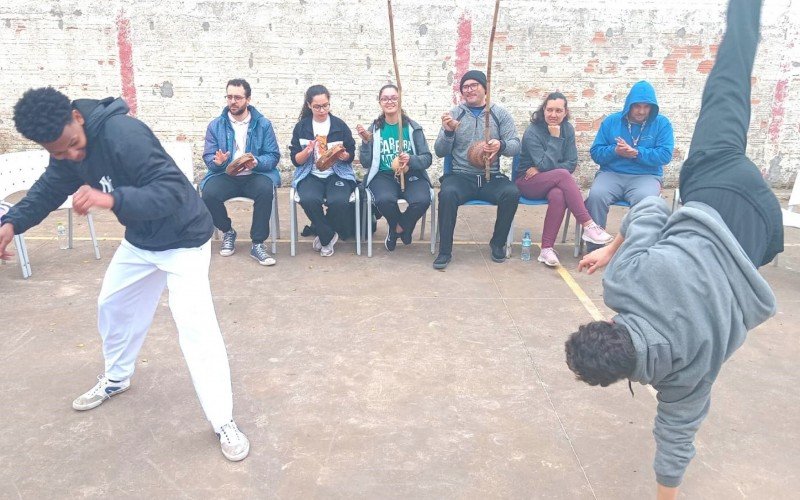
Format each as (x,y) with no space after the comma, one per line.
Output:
(535,201)
(448,168)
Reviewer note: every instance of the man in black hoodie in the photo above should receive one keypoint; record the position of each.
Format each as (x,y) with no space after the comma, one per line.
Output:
(112,161)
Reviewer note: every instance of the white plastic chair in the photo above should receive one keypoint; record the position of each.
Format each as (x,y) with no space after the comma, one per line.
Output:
(181,152)
(790,217)
(294,200)
(18,172)
(367,224)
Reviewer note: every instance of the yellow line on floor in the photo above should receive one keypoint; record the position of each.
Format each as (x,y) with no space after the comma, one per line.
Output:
(592,309)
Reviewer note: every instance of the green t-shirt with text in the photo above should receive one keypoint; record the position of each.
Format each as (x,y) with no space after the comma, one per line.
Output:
(389,145)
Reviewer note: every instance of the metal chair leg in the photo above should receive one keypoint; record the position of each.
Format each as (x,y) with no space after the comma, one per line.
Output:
(90,222)
(368,224)
(358,220)
(22,251)
(434,222)
(293,222)
(69,228)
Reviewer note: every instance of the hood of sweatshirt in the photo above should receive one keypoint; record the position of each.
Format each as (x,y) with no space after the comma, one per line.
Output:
(642,92)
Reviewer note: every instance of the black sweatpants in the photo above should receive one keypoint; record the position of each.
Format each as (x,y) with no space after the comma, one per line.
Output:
(458,189)
(333,192)
(257,187)
(717,171)
(385,190)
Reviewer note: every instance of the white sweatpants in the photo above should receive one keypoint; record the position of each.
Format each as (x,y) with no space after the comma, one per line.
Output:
(128,299)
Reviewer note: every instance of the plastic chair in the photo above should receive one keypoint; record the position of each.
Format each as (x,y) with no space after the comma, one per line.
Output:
(447,168)
(294,200)
(790,217)
(367,223)
(18,172)
(534,202)
(181,152)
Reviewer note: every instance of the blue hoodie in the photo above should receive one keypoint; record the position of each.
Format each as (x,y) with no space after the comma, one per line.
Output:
(655,137)
(261,142)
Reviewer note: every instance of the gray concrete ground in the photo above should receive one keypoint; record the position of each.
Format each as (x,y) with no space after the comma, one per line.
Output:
(373,378)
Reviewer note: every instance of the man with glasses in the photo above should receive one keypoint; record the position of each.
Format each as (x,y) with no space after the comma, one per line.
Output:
(462,127)
(240,130)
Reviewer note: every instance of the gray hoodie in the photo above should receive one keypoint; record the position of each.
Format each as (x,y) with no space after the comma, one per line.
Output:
(688,295)
(470,130)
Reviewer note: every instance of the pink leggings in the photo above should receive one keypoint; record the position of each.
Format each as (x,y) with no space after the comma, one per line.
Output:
(562,192)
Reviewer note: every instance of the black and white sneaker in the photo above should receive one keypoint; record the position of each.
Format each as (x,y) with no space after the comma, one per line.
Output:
(390,242)
(103,390)
(259,252)
(228,243)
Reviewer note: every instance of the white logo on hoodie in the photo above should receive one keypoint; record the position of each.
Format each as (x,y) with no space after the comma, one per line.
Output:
(106,184)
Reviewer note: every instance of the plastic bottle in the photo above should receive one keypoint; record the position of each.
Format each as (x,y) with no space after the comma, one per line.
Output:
(525,254)
(61,232)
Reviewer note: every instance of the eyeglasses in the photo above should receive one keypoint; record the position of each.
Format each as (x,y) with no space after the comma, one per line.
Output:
(321,107)
(390,99)
(237,98)
(469,87)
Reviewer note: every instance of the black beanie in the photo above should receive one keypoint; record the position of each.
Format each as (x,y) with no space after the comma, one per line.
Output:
(476,75)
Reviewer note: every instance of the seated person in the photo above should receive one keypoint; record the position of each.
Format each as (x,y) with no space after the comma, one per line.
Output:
(239,130)
(547,161)
(377,153)
(631,147)
(317,186)
(463,126)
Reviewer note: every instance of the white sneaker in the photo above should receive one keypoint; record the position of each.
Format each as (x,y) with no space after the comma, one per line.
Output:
(327,250)
(548,257)
(316,245)
(103,390)
(235,445)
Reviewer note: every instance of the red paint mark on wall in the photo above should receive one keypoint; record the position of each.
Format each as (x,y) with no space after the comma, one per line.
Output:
(781,91)
(705,66)
(126,61)
(462,54)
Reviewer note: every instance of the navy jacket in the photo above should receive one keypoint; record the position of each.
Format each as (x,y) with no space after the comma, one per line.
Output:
(153,199)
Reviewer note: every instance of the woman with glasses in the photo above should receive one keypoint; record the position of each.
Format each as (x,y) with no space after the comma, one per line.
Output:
(316,183)
(547,160)
(377,153)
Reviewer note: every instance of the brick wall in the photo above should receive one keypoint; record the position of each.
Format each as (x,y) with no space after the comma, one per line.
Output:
(171,61)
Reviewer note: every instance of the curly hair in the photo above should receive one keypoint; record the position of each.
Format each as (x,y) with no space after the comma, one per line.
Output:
(601,353)
(538,115)
(41,114)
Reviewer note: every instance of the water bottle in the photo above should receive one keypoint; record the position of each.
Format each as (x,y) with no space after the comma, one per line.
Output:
(525,254)
(61,232)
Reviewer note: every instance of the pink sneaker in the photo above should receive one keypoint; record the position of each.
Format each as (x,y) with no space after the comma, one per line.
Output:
(596,234)
(549,257)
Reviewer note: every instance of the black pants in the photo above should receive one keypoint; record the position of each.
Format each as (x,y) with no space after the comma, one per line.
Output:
(333,192)
(458,189)
(257,187)
(385,189)
(717,171)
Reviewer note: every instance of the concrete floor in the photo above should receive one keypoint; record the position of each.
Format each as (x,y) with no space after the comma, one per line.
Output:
(373,378)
